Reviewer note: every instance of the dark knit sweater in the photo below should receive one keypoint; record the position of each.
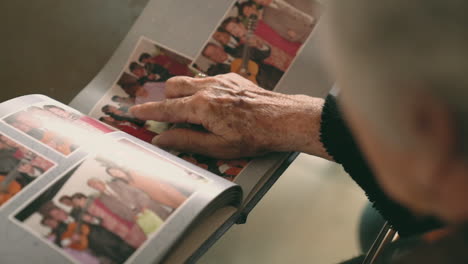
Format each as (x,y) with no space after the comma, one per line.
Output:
(340,144)
(413,246)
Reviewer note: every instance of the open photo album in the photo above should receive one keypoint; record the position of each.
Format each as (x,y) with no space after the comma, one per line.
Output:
(83,183)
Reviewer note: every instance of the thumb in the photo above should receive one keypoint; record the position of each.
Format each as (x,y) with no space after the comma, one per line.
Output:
(187,140)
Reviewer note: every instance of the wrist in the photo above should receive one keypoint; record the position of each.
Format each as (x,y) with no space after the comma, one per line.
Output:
(304,132)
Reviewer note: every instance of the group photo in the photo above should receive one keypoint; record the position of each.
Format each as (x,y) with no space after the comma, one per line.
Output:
(65,130)
(143,80)
(103,210)
(19,166)
(259,39)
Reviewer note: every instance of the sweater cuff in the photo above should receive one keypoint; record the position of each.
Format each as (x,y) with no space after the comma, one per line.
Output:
(338,141)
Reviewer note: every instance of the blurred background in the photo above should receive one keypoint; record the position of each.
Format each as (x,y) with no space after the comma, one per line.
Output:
(310,215)
(56,47)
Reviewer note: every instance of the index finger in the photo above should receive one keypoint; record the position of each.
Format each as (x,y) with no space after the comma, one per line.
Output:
(179,110)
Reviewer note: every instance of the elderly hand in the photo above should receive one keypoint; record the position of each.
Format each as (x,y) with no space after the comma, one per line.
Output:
(240,119)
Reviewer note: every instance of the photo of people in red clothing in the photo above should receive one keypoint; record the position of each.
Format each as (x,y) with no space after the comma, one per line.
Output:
(19,166)
(259,39)
(108,206)
(143,80)
(56,126)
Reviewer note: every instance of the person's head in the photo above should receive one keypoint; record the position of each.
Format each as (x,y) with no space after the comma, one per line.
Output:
(28,120)
(4,145)
(401,66)
(26,168)
(58,111)
(137,69)
(144,58)
(20,121)
(128,83)
(37,111)
(117,172)
(108,120)
(97,184)
(79,200)
(49,222)
(222,37)
(21,126)
(263,2)
(234,26)
(120,99)
(9,142)
(214,53)
(109,109)
(45,208)
(248,8)
(58,214)
(66,200)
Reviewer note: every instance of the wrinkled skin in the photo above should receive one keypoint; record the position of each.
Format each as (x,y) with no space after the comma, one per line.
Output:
(239,119)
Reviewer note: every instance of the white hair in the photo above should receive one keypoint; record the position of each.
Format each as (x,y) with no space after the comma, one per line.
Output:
(390,46)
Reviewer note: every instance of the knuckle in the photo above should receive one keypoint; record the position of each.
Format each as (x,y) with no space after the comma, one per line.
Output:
(200,104)
(230,75)
(171,85)
(145,108)
(211,79)
(184,82)
(206,83)
(180,82)
(202,96)
(174,81)
(187,105)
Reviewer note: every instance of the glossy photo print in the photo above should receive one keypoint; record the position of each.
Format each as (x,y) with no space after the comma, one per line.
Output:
(259,39)
(19,166)
(143,80)
(58,127)
(109,205)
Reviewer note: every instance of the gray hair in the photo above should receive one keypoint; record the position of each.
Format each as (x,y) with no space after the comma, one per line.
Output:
(391,46)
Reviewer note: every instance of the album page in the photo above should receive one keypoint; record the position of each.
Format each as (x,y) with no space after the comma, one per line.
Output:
(75,190)
(212,39)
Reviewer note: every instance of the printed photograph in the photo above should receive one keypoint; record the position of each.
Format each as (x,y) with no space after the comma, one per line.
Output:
(143,80)
(59,128)
(259,39)
(103,210)
(228,169)
(19,166)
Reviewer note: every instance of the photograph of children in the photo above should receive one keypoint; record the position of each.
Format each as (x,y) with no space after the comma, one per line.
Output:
(19,166)
(259,39)
(104,210)
(143,80)
(53,125)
